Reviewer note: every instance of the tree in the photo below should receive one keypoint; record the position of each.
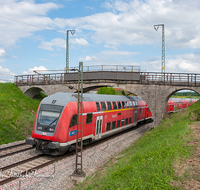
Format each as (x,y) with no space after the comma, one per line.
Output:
(122,92)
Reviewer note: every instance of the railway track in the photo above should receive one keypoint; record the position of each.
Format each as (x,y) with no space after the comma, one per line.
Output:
(10,150)
(28,166)
(24,167)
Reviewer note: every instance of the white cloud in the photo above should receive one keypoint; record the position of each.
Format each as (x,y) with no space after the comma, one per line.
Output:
(15,13)
(116,6)
(4,70)
(3,53)
(184,63)
(6,74)
(121,25)
(108,46)
(61,43)
(57,42)
(40,69)
(124,26)
(119,53)
(117,27)
(88,58)
(79,41)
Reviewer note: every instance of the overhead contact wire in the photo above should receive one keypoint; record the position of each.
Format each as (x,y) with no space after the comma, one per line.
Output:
(150,26)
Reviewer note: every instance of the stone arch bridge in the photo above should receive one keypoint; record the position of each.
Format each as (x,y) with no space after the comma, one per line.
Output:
(154,88)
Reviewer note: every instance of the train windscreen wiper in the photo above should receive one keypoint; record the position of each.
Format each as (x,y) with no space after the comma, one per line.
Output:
(50,124)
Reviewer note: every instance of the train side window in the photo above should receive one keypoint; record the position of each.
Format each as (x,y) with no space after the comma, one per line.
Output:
(108,126)
(89,118)
(109,105)
(118,123)
(130,120)
(131,105)
(127,105)
(136,104)
(113,124)
(98,106)
(103,106)
(73,121)
(140,111)
(119,105)
(122,122)
(123,105)
(114,105)
(126,121)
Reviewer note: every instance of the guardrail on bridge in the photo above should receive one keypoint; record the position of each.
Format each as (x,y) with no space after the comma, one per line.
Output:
(125,74)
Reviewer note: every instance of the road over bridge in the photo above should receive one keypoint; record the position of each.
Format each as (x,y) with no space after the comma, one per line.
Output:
(154,88)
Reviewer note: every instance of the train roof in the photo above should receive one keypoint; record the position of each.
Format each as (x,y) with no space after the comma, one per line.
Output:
(182,99)
(62,98)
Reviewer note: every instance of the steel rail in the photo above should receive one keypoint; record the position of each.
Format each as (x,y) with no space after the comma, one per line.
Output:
(29,171)
(13,146)
(21,162)
(16,152)
(140,127)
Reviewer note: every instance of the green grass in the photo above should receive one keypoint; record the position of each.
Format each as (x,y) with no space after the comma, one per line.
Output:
(17,113)
(148,164)
(188,97)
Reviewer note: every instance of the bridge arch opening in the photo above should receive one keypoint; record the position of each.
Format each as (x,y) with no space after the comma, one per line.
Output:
(33,92)
(120,91)
(186,94)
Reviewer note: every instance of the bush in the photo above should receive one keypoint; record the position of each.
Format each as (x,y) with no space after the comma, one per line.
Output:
(107,90)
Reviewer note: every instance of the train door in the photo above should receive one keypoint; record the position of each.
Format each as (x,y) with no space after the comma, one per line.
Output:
(98,132)
(135,116)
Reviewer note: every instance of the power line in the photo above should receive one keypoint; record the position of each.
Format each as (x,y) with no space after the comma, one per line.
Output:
(29,24)
(98,51)
(138,14)
(6,80)
(150,26)
(6,74)
(53,31)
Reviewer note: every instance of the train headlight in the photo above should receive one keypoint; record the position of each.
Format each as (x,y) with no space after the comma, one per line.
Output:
(51,129)
(39,128)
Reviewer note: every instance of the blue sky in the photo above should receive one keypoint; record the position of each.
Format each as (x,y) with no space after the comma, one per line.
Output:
(107,32)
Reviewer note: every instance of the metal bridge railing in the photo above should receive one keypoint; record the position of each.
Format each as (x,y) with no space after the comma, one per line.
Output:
(119,74)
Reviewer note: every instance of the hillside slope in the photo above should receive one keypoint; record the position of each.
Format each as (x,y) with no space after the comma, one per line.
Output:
(17,113)
(154,160)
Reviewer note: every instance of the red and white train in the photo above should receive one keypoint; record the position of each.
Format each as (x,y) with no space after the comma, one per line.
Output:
(55,125)
(175,104)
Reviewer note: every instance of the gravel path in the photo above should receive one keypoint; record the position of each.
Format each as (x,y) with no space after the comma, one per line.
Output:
(58,176)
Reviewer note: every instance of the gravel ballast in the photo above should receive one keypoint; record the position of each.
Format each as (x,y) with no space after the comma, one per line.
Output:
(58,175)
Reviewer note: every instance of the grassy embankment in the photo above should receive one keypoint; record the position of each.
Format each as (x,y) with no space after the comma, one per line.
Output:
(17,113)
(149,162)
(186,97)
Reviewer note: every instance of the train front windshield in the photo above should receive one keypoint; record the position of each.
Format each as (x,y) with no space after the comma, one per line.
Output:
(48,116)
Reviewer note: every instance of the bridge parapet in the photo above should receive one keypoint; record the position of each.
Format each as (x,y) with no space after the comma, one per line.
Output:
(119,77)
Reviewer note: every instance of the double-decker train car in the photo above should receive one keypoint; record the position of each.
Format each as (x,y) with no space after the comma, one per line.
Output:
(175,104)
(55,125)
